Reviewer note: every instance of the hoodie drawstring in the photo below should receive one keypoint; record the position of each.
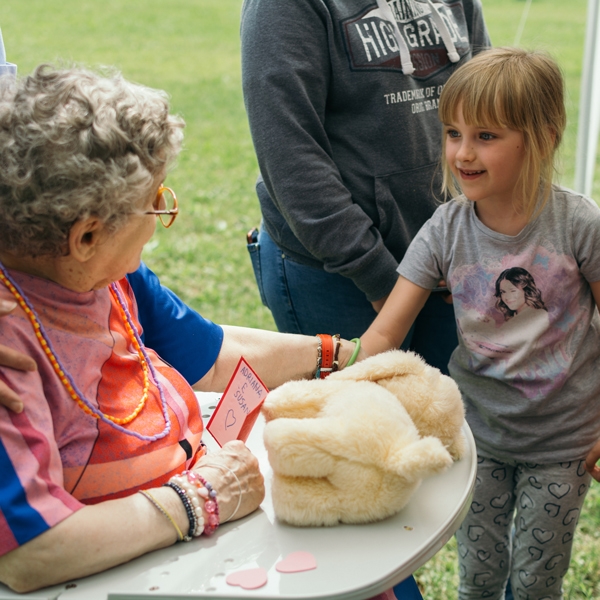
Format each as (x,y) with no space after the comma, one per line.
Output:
(444,32)
(406,62)
(403,51)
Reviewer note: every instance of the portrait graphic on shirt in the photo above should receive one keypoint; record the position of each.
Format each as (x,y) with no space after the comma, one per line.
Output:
(515,319)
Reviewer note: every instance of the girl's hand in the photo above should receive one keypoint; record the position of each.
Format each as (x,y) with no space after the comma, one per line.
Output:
(218,469)
(591,460)
(14,360)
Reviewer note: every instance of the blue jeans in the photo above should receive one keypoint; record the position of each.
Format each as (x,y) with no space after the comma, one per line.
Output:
(309,300)
(405,590)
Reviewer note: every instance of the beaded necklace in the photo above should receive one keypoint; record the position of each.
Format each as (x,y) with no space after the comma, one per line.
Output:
(67,380)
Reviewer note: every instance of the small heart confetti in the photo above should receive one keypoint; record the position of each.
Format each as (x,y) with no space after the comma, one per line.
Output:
(250,579)
(297,562)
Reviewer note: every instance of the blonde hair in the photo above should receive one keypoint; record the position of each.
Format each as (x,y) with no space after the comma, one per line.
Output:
(519,89)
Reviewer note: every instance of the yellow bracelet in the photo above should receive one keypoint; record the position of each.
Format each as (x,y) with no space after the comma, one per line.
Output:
(163,510)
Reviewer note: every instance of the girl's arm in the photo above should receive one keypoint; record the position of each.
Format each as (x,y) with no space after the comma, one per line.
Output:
(394,321)
(594,453)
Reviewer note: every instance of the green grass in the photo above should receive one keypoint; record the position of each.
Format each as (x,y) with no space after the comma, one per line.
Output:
(191,49)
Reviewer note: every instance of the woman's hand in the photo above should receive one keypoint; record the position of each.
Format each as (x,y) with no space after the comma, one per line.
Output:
(14,360)
(591,460)
(218,469)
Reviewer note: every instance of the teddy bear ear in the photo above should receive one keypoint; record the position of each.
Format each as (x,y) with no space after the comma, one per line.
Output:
(386,365)
(423,458)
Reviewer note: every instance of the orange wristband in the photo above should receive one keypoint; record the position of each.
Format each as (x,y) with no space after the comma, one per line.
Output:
(329,354)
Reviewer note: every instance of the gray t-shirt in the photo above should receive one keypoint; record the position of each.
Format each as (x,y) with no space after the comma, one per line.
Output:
(528,357)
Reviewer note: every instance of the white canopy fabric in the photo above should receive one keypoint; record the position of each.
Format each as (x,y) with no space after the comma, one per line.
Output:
(5,68)
(589,104)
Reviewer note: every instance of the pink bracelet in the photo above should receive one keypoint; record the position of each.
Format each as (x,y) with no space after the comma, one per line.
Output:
(206,492)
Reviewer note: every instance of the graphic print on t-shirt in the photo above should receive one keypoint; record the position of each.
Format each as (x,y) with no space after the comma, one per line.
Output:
(516,320)
(371,42)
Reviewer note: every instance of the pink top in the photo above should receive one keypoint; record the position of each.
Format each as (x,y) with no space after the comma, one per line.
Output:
(53,456)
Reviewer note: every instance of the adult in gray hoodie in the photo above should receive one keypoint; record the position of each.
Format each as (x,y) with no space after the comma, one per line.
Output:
(342,101)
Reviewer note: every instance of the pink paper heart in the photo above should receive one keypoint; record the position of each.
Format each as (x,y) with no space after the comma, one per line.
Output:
(297,562)
(250,579)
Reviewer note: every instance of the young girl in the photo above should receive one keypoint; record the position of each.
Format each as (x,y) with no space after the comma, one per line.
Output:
(534,410)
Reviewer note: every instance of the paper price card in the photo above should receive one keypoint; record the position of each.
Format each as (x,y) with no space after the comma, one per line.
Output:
(239,406)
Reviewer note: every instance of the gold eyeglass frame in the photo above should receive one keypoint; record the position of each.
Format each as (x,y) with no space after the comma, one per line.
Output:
(172,212)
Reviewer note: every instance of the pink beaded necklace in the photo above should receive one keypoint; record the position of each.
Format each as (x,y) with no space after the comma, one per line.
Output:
(67,380)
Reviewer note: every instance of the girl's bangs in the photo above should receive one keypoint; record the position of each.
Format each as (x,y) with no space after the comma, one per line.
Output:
(484,108)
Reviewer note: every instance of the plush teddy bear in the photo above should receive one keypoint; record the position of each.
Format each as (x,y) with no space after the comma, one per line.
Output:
(348,451)
(432,400)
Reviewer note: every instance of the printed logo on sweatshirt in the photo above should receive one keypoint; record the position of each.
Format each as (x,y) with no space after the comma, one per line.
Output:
(372,44)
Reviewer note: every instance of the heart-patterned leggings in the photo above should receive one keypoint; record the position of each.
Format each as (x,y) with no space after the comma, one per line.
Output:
(543,503)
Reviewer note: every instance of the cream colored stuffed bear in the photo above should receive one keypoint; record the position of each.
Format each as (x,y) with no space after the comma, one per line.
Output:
(432,400)
(344,451)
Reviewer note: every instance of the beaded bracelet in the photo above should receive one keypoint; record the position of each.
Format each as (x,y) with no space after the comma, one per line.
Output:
(210,501)
(191,495)
(223,469)
(189,509)
(197,489)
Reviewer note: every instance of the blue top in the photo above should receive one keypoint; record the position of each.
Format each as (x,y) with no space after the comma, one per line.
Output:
(181,336)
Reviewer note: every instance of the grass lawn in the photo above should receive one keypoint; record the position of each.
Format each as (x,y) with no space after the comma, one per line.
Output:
(191,49)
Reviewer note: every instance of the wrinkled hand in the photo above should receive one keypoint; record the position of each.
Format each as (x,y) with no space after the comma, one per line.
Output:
(214,467)
(14,360)
(591,460)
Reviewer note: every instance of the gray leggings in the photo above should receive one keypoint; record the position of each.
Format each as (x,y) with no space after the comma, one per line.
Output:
(545,501)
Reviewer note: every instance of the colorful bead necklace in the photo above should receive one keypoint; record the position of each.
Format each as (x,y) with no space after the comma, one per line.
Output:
(67,380)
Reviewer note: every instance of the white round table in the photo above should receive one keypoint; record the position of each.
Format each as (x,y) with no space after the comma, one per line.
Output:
(354,562)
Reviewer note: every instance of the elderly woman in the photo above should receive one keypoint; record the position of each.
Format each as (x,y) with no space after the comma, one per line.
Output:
(83,159)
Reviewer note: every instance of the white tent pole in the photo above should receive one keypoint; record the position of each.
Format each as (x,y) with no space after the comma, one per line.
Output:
(589,104)
(522,22)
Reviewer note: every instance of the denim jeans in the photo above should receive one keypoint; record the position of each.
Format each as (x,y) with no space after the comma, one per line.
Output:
(308,300)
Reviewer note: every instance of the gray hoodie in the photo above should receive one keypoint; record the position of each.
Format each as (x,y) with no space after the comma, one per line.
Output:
(348,142)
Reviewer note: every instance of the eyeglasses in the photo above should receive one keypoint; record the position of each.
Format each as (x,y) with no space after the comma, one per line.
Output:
(165,206)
